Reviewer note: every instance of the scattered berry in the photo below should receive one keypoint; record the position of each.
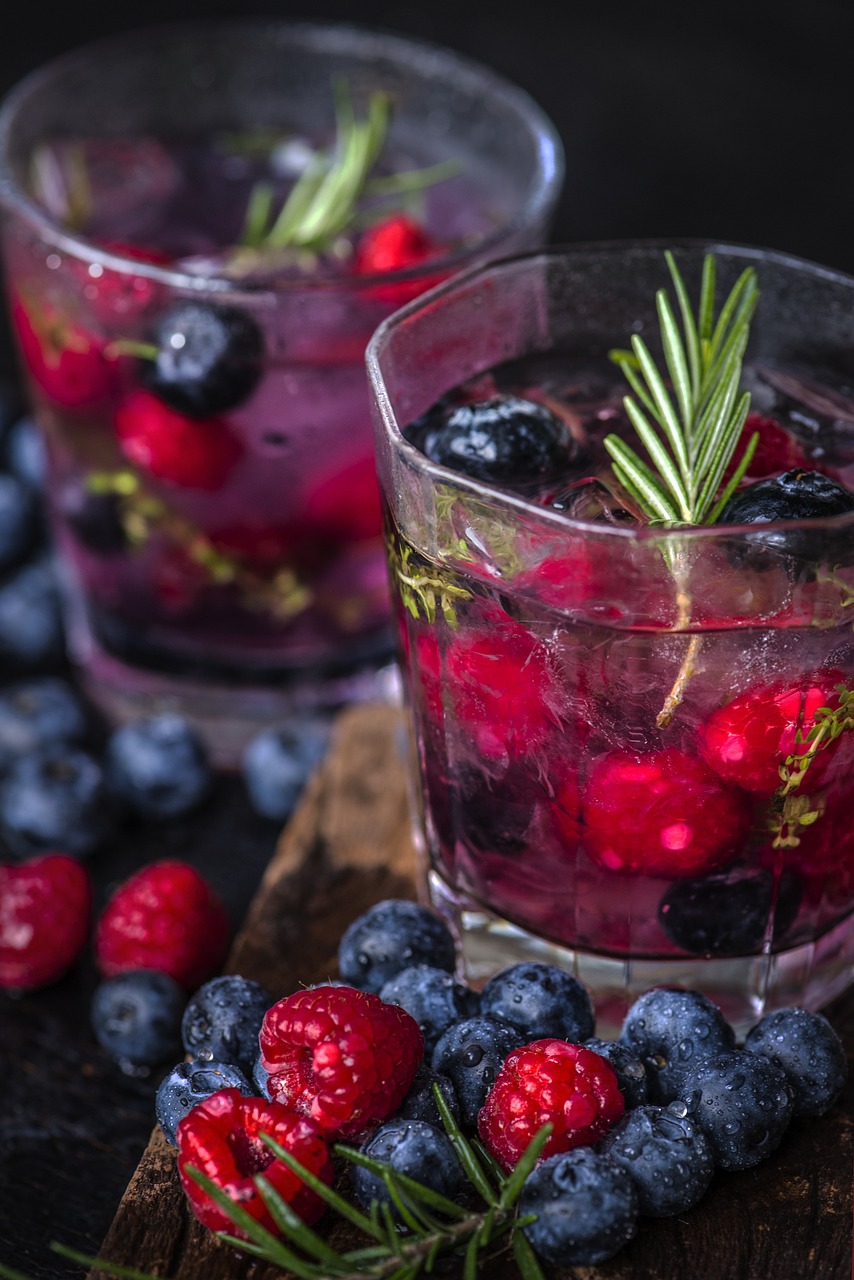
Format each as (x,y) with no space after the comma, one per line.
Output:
(541,1000)
(20,521)
(136,1017)
(341,1056)
(416,1150)
(393,935)
(209,358)
(586,1208)
(55,798)
(648,814)
(627,1067)
(192,453)
(504,441)
(665,1154)
(166,917)
(420,1102)
(433,997)
(549,1082)
(743,1103)
(26,454)
(731,912)
(32,633)
(45,917)
(223,1018)
(158,767)
(470,1054)
(808,1051)
(672,1031)
(277,763)
(37,712)
(188,1084)
(222,1138)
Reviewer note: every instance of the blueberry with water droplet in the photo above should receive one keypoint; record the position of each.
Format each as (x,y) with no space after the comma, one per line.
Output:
(667,1156)
(743,1103)
(807,1049)
(671,1031)
(390,936)
(209,359)
(729,913)
(541,1000)
(628,1068)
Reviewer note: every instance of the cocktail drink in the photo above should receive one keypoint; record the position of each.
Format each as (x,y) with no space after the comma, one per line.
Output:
(204,224)
(623,548)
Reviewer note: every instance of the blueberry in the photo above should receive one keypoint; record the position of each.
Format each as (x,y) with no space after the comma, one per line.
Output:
(55,798)
(188,1084)
(390,936)
(136,1017)
(278,762)
(505,441)
(158,766)
(795,495)
(671,1031)
(667,1156)
(728,913)
(209,358)
(416,1150)
(808,1051)
(20,513)
(26,455)
(494,817)
(223,1018)
(470,1054)
(432,997)
(420,1102)
(628,1068)
(37,712)
(542,1000)
(586,1208)
(95,519)
(32,636)
(742,1102)
(261,1077)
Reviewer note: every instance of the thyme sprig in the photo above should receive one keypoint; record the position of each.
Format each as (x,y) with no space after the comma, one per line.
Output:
(792,812)
(433,1225)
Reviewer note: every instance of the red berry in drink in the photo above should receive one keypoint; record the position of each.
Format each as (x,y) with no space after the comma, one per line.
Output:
(549,1082)
(167,917)
(193,453)
(222,1138)
(503,688)
(748,740)
(45,917)
(395,244)
(64,359)
(661,814)
(345,504)
(777,449)
(341,1056)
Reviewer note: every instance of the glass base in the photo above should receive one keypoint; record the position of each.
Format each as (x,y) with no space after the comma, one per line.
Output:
(226,715)
(745,988)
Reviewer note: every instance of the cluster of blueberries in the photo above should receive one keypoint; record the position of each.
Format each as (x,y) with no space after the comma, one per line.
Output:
(695,1102)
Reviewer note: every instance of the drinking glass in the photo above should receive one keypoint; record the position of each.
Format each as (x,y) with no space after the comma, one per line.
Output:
(632,745)
(221,553)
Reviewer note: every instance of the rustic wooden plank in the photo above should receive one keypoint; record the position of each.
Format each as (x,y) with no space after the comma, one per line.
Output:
(349,845)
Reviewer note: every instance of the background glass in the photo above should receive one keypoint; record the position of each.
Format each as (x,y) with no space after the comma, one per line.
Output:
(251,582)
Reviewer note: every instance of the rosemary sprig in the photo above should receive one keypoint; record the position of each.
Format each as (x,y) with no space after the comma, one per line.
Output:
(434,1225)
(689,432)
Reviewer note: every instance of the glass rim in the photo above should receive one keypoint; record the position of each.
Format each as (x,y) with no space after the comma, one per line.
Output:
(414,52)
(438,474)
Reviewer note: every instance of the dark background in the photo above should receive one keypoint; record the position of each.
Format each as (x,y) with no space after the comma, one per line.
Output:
(731,121)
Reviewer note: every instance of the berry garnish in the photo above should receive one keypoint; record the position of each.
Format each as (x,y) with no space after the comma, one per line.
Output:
(808,1051)
(397,243)
(743,1103)
(208,359)
(136,1017)
(751,738)
(585,1208)
(45,917)
(666,1155)
(671,1031)
(189,1083)
(390,936)
(341,1056)
(277,762)
(345,505)
(20,521)
(189,452)
(415,1149)
(541,1000)
(55,798)
(223,1018)
(37,712)
(433,998)
(649,814)
(732,912)
(158,766)
(32,633)
(776,449)
(222,1137)
(627,1067)
(165,916)
(66,362)
(504,441)
(552,1082)
(470,1054)
(795,495)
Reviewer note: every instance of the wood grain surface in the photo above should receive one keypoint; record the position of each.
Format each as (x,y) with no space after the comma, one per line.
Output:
(348,846)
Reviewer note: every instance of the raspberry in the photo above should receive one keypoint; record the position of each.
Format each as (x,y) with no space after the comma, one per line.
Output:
(345,505)
(661,814)
(501,684)
(776,449)
(166,917)
(396,244)
(341,1056)
(193,453)
(221,1137)
(45,907)
(549,1082)
(65,361)
(748,740)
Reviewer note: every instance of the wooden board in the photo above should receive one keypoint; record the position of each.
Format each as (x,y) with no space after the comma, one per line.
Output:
(347,846)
